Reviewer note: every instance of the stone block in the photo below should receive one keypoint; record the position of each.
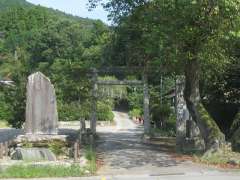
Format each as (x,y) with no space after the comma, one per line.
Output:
(33,154)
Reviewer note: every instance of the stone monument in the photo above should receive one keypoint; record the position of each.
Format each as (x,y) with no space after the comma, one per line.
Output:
(41,107)
(182,113)
(188,137)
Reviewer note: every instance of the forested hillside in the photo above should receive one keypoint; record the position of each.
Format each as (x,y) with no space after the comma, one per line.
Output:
(5,4)
(34,38)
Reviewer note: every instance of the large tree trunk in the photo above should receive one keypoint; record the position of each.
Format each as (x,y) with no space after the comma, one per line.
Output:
(210,132)
(235,132)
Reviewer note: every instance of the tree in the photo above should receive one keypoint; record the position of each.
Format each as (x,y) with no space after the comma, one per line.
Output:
(189,33)
(61,46)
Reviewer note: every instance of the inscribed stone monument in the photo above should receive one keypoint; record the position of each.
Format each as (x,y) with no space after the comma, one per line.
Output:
(188,137)
(41,108)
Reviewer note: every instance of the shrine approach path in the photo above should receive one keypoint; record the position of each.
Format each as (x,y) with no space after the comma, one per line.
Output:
(121,151)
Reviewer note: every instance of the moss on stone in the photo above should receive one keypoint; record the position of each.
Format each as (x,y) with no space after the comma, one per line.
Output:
(56,146)
(236,123)
(235,129)
(214,131)
(221,156)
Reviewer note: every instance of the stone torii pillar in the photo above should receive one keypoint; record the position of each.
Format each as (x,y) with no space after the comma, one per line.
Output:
(146,105)
(93,122)
(182,113)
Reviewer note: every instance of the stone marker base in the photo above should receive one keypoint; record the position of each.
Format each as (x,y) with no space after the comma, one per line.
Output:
(40,138)
(191,145)
(41,147)
(33,154)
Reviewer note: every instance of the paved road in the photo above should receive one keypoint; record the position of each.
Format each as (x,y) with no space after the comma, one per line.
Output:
(9,134)
(123,153)
(224,176)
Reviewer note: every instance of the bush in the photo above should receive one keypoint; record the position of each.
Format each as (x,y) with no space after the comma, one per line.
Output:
(164,132)
(104,111)
(5,111)
(161,114)
(13,110)
(135,113)
(165,120)
(73,111)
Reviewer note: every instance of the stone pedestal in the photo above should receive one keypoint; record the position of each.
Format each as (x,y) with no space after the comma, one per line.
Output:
(41,107)
(33,154)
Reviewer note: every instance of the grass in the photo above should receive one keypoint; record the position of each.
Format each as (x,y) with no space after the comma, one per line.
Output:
(44,171)
(90,155)
(165,132)
(34,171)
(221,158)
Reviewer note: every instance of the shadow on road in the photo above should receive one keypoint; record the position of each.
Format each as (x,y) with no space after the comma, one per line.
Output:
(126,150)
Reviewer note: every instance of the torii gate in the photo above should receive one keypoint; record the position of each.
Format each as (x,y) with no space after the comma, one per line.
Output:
(96,82)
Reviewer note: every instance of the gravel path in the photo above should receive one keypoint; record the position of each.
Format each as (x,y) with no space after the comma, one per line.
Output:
(123,153)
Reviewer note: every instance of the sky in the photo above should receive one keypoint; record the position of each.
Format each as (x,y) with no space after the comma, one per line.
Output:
(74,7)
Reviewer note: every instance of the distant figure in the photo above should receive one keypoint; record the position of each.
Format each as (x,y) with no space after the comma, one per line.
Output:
(139,120)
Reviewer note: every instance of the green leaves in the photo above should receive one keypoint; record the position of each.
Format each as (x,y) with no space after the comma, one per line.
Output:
(60,46)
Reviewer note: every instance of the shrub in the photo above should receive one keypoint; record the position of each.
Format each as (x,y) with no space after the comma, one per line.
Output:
(104,112)
(161,114)
(73,111)
(135,113)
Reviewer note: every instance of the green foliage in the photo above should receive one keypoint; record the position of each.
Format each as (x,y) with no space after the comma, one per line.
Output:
(57,147)
(112,91)
(135,98)
(215,132)
(61,46)
(70,112)
(235,131)
(91,157)
(165,120)
(163,110)
(181,37)
(163,132)
(220,157)
(135,113)
(236,123)
(161,114)
(4,124)
(104,111)
(4,109)
(5,4)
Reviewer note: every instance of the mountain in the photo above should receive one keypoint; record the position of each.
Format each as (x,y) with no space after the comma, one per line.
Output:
(5,4)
